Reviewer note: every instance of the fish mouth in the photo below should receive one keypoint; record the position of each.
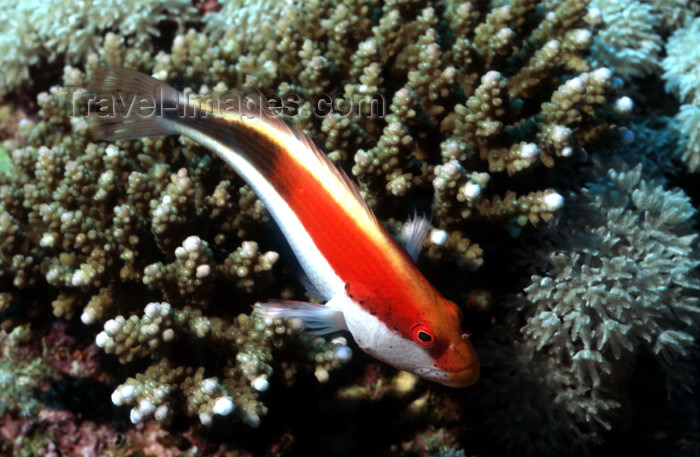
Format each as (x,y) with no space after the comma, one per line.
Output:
(465,371)
(461,378)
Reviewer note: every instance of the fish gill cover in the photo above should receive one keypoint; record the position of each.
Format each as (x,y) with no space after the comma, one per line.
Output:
(536,134)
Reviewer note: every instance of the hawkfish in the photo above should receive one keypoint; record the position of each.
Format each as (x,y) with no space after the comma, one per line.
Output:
(370,283)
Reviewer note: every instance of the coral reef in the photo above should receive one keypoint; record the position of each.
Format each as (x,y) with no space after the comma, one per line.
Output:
(619,280)
(21,375)
(33,32)
(505,121)
(682,79)
(635,32)
(630,42)
(100,218)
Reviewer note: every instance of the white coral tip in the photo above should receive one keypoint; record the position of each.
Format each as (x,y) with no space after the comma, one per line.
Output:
(249,249)
(88,317)
(252,419)
(151,310)
(490,77)
(561,134)
(223,406)
(583,36)
(594,16)
(321,375)
(168,335)
(117,397)
(624,105)
(111,151)
(161,413)
(575,84)
(101,339)
(553,201)
(112,327)
(471,190)
(203,271)
(146,407)
(135,416)
(603,74)
(192,243)
(271,257)
(553,45)
(128,392)
(159,393)
(529,151)
(209,385)
(205,419)
(438,237)
(48,240)
(343,353)
(79,278)
(260,384)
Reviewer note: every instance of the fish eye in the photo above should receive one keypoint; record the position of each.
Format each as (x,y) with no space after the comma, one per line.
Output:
(423,336)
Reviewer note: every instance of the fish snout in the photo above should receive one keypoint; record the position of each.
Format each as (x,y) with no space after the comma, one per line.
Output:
(464,378)
(466,371)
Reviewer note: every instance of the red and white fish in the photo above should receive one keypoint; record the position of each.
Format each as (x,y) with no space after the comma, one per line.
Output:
(371,285)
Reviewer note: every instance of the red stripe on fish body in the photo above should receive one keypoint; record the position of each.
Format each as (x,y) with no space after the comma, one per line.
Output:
(379,274)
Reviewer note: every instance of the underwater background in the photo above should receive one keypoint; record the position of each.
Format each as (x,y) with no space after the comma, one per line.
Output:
(128,270)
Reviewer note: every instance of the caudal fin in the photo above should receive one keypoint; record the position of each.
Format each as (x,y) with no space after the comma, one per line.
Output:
(130,104)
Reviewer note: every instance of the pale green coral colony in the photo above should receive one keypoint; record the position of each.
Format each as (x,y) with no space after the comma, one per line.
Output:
(511,122)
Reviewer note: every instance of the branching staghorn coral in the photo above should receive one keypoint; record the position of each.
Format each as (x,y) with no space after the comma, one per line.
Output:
(434,65)
(248,341)
(112,227)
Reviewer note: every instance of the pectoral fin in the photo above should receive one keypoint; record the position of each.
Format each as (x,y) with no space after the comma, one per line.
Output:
(317,319)
(413,234)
